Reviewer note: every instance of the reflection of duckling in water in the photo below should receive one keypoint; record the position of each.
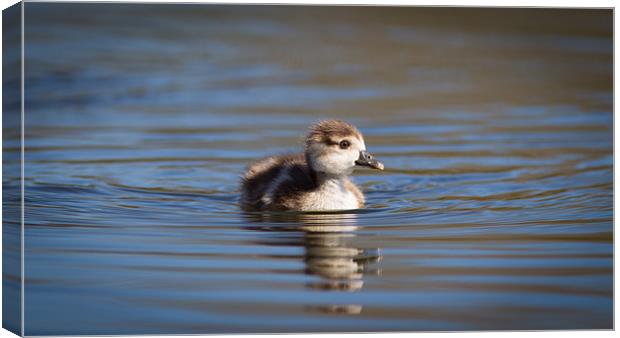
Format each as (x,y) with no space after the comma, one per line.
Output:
(314,181)
(341,267)
(328,252)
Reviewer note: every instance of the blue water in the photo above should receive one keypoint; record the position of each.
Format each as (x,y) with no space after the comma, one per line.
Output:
(494,212)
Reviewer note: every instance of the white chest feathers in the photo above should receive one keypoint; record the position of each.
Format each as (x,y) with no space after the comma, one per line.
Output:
(332,195)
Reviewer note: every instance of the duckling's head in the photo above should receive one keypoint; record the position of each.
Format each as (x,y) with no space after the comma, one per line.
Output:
(335,148)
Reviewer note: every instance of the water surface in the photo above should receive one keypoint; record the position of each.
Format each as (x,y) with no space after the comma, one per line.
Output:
(494,212)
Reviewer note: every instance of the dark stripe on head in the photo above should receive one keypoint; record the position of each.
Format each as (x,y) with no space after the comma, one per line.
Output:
(330,131)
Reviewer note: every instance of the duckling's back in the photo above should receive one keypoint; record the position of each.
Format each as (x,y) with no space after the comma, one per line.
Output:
(275,183)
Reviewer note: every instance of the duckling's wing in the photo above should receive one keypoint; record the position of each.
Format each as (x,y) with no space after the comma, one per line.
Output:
(263,177)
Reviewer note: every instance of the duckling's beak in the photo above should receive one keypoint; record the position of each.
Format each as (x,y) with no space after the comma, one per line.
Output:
(367,160)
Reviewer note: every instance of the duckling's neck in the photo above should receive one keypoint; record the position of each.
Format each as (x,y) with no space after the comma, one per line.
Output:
(332,193)
(322,178)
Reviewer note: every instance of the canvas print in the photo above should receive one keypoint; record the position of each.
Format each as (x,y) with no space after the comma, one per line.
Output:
(216,169)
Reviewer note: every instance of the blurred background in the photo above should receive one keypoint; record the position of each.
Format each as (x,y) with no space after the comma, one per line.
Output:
(495,210)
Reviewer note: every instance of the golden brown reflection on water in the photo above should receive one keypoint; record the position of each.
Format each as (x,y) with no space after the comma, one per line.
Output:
(328,253)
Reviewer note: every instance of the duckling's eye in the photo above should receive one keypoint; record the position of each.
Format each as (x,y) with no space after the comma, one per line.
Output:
(344,144)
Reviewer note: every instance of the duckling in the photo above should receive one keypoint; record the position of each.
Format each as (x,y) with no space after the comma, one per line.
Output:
(316,180)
